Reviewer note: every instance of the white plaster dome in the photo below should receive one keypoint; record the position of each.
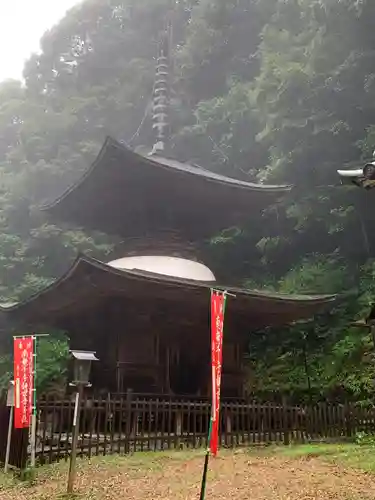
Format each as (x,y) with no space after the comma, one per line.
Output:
(168,266)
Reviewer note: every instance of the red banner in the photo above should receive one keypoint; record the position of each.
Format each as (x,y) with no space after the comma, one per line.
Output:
(23,381)
(217,326)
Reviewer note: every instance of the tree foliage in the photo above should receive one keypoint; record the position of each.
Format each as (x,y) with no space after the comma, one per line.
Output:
(268,90)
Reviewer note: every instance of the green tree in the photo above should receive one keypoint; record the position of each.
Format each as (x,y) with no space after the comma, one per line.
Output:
(279,91)
(52,354)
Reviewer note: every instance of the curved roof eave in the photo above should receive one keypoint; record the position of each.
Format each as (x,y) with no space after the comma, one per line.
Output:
(166,164)
(89,267)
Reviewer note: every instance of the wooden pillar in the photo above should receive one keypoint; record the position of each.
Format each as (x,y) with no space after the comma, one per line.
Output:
(241,383)
(167,367)
(118,377)
(157,348)
(158,376)
(117,354)
(129,396)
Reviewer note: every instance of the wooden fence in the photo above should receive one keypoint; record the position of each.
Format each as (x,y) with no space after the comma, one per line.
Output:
(147,423)
(133,423)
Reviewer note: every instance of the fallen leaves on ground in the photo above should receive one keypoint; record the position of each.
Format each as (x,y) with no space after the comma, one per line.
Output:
(231,475)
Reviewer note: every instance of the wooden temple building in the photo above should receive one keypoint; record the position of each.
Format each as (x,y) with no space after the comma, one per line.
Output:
(147,314)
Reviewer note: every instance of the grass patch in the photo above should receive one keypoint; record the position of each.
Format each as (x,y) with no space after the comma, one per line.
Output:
(7,481)
(315,450)
(146,476)
(135,466)
(351,455)
(138,462)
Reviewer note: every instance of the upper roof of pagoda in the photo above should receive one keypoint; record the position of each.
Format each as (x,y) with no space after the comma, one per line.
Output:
(89,282)
(132,195)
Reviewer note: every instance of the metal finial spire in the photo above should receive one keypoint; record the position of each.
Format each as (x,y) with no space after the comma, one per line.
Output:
(161,95)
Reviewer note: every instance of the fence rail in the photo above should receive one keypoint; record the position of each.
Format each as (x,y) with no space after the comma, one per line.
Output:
(141,423)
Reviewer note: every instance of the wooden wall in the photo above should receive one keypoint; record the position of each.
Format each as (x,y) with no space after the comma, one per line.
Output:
(155,348)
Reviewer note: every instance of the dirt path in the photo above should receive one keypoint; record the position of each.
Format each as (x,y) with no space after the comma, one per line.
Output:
(239,476)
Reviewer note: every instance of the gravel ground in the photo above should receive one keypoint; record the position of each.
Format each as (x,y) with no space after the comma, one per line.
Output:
(231,475)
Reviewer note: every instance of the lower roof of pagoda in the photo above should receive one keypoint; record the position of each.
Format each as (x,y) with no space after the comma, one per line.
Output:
(89,282)
(132,195)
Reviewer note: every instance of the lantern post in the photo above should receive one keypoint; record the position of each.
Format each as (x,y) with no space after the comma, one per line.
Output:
(81,371)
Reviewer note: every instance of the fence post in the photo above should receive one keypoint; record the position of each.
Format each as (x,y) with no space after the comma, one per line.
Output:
(129,396)
(229,423)
(178,428)
(348,418)
(228,426)
(286,422)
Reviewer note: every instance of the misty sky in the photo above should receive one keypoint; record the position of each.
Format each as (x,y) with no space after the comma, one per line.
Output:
(22,24)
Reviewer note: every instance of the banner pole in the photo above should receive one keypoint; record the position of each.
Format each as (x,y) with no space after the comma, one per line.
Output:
(33,415)
(207,455)
(215,359)
(204,477)
(205,467)
(34,412)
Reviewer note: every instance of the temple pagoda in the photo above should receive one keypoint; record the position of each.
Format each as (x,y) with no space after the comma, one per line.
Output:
(146,314)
